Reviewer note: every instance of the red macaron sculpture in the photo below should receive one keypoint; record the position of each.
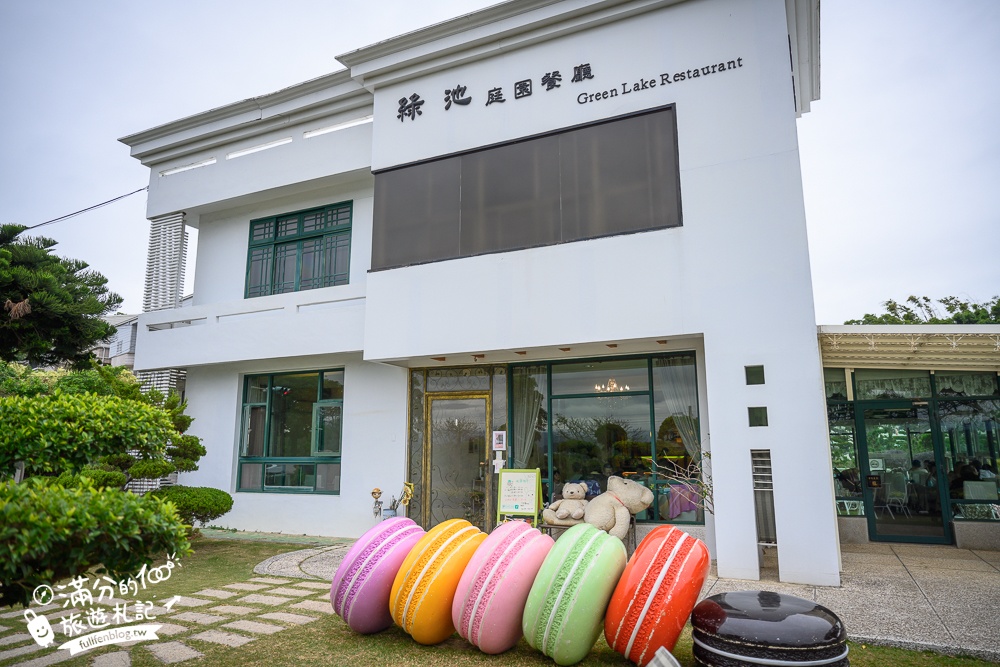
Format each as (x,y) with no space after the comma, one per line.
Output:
(656,593)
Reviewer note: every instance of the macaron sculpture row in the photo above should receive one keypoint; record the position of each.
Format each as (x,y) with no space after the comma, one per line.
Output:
(517,580)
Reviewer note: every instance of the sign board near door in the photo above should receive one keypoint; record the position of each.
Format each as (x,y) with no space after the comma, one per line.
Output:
(520,494)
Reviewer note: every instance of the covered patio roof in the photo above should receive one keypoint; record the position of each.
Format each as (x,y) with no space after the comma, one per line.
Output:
(927,346)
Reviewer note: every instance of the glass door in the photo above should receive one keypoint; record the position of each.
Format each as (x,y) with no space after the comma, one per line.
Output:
(456,458)
(902,478)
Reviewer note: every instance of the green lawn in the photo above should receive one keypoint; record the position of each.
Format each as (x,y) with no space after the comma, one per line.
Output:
(328,640)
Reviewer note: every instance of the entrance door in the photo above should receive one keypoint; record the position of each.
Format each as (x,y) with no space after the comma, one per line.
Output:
(904,501)
(456,459)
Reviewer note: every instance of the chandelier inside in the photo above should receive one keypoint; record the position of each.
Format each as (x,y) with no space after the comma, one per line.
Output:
(611,387)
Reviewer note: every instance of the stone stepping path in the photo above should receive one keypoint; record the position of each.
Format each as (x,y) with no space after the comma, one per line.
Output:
(292,592)
(117,659)
(224,638)
(192,602)
(219,595)
(171,652)
(315,585)
(297,619)
(231,615)
(254,627)
(235,610)
(272,600)
(314,605)
(199,618)
(247,587)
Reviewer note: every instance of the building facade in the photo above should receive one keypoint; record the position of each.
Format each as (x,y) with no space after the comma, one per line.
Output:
(577,222)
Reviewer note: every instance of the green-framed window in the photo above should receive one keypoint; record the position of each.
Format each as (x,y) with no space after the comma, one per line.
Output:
(291,437)
(299,251)
(634,416)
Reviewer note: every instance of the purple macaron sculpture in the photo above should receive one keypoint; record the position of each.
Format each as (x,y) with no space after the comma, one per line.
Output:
(493,590)
(360,588)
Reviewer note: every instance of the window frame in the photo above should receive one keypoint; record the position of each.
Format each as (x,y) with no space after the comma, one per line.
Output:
(266,237)
(265,459)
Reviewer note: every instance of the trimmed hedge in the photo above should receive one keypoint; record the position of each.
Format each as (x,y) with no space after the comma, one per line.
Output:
(196,503)
(65,432)
(49,532)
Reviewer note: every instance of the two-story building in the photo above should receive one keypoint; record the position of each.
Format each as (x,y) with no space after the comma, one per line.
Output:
(580,222)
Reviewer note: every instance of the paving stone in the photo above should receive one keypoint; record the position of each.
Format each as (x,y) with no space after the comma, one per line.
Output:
(116,659)
(234,609)
(171,652)
(45,660)
(314,605)
(215,593)
(21,650)
(224,638)
(192,602)
(297,619)
(270,580)
(3,629)
(325,597)
(169,629)
(272,600)
(157,611)
(247,587)
(293,592)
(255,627)
(13,639)
(19,612)
(319,586)
(198,617)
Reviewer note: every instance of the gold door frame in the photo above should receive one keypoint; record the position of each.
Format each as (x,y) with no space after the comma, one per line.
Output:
(425,471)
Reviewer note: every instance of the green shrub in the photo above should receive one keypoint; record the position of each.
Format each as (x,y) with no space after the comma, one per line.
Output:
(151,469)
(196,503)
(65,432)
(49,533)
(112,479)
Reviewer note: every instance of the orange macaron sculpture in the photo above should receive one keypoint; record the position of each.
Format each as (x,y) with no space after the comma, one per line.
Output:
(656,594)
(424,588)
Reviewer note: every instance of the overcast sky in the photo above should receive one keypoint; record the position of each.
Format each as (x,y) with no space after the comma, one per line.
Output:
(900,157)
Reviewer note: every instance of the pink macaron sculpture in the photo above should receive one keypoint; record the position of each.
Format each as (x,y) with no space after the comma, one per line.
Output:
(656,593)
(361,586)
(491,595)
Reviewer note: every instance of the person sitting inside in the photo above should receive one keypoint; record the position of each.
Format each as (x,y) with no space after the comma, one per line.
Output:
(967,473)
(851,480)
(987,472)
(918,474)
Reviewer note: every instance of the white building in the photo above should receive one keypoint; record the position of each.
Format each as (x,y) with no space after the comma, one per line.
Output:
(579,221)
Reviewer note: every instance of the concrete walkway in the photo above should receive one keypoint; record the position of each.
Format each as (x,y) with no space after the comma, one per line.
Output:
(935,598)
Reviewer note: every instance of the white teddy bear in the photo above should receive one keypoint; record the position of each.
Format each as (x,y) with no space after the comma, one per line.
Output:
(570,509)
(612,510)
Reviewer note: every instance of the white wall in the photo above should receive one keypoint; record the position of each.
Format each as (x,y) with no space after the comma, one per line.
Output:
(225,327)
(737,272)
(373,444)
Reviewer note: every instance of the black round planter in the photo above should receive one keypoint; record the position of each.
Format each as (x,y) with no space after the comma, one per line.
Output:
(761,628)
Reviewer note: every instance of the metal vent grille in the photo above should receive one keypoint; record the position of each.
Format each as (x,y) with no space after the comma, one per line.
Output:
(763,496)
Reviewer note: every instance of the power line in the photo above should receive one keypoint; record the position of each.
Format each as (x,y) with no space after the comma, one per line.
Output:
(89,208)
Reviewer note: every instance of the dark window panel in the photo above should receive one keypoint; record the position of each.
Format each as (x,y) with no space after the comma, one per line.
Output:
(417,214)
(510,197)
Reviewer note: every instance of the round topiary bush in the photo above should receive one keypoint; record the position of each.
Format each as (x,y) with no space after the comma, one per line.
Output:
(196,503)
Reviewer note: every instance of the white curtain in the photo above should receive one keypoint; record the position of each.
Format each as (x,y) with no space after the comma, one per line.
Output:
(676,378)
(527,404)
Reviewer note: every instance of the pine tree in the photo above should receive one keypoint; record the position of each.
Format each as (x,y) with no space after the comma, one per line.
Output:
(52,306)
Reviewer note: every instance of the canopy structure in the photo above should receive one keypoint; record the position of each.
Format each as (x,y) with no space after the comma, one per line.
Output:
(927,346)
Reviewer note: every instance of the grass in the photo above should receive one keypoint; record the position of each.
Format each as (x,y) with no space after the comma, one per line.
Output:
(328,640)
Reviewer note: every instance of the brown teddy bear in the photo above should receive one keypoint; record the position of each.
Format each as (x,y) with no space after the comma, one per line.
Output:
(570,510)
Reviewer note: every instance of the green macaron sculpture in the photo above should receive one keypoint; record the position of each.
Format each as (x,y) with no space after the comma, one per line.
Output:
(565,610)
